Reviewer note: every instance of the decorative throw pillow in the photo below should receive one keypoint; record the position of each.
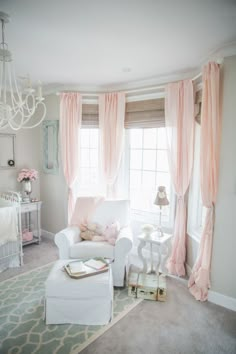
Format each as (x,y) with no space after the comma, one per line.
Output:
(111,232)
(91,232)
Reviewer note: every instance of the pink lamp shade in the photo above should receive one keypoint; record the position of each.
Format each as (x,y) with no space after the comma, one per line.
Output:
(161,197)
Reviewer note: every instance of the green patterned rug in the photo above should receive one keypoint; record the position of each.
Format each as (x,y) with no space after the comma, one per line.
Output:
(22,326)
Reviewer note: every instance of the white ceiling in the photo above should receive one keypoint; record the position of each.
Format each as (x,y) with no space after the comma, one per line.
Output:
(87,43)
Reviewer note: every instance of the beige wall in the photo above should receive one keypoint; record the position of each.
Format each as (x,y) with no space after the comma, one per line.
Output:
(27,156)
(223,267)
(53,189)
(192,250)
(224,245)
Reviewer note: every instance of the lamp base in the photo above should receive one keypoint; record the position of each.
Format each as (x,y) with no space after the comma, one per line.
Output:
(160,233)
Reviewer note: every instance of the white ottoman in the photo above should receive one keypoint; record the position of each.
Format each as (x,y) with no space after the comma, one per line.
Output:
(87,301)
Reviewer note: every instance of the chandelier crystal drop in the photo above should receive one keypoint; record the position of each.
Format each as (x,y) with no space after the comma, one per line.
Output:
(18,105)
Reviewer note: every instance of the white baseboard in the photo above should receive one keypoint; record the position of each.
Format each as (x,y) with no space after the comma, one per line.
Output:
(217,298)
(47,233)
(222,300)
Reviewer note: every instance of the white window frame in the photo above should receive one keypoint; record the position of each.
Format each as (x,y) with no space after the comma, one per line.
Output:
(148,216)
(86,189)
(195,207)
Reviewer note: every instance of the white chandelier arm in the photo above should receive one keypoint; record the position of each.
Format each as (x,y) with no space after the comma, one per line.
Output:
(14,87)
(42,118)
(16,125)
(31,110)
(22,124)
(17,108)
(18,102)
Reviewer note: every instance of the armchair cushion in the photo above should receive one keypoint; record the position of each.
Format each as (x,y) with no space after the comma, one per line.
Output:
(92,249)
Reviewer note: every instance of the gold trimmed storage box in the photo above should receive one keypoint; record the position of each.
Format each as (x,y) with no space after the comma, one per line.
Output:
(147,286)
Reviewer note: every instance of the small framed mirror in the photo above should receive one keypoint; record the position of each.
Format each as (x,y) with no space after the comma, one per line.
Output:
(7,151)
(50,146)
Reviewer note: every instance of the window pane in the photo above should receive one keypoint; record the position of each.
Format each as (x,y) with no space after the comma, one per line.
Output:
(135,178)
(84,138)
(136,159)
(136,201)
(84,157)
(161,138)
(149,159)
(136,138)
(84,176)
(144,199)
(94,176)
(163,179)
(149,138)
(94,138)
(162,161)
(93,157)
(145,167)
(148,179)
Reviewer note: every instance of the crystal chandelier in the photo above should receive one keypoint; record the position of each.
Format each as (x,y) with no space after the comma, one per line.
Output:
(17,105)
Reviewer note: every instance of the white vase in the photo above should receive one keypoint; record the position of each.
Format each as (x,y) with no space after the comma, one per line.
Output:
(27,189)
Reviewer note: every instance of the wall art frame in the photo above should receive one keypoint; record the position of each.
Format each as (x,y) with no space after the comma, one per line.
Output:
(7,151)
(50,146)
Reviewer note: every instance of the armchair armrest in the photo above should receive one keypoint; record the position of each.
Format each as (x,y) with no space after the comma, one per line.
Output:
(66,238)
(123,245)
(124,242)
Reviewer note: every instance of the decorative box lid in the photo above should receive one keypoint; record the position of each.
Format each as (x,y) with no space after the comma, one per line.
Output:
(133,279)
(148,281)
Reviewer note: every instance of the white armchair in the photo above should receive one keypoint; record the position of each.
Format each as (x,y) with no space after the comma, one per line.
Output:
(71,245)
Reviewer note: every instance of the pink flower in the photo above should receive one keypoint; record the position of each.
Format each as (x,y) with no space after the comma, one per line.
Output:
(27,175)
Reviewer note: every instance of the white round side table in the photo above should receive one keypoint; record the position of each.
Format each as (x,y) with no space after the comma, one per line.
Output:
(163,251)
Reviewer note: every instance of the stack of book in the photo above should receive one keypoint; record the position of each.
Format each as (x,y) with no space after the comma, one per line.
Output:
(83,268)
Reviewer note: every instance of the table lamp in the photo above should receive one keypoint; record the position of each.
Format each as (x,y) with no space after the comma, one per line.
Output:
(161,200)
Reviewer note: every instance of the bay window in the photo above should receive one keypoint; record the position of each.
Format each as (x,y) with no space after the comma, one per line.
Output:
(144,167)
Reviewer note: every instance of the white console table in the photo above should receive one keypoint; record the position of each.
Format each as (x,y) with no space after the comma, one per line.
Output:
(31,212)
(162,244)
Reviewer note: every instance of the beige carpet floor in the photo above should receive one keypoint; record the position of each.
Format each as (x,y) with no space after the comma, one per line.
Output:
(181,325)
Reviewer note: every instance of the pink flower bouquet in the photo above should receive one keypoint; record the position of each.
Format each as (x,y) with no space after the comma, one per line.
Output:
(27,175)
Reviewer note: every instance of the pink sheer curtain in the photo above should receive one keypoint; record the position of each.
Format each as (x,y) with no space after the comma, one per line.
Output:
(179,118)
(70,123)
(111,124)
(199,281)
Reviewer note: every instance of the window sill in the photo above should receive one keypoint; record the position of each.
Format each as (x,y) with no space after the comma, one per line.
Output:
(194,234)
(143,217)
(149,218)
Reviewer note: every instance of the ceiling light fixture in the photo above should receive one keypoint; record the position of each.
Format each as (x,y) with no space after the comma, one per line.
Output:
(17,106)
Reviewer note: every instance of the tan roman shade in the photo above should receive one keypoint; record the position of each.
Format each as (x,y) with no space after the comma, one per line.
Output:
(145,114)
(90,115)
(140,114)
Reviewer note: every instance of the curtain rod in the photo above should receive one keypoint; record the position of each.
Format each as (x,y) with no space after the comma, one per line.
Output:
(161,87)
